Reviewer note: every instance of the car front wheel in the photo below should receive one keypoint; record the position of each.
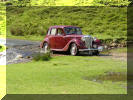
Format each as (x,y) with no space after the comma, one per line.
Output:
(45,48)
(74,49)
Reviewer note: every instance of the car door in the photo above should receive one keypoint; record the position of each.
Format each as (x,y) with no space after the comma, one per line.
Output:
(60,39)
(52,38)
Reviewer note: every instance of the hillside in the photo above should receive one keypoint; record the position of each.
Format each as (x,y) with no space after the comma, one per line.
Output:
(2,20)
(106,22)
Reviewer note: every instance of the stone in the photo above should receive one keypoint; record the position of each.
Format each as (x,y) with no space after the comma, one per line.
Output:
(114,45)
(19,56)
(28,57)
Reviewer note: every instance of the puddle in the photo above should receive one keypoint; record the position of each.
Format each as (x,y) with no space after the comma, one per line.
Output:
(109,76)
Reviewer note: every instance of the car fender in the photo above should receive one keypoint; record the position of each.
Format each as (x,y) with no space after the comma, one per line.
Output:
(76,41)
(42,43)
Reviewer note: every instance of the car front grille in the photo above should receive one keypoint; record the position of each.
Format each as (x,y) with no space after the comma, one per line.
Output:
(88,42)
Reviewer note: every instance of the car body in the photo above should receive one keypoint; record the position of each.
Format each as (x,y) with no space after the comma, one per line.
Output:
(62,38)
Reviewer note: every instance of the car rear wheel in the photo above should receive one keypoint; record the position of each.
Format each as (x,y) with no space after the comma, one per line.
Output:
(73,49)
(96,53)
(45,48)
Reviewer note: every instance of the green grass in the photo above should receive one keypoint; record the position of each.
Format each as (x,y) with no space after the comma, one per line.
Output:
(103,22)
(2,21)
(28,37)
(119,50)
(65,75)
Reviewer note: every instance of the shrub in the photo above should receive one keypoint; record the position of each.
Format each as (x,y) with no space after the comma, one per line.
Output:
(42,57)
(17,31)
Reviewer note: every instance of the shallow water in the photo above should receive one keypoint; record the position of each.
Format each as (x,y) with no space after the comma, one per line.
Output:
(109,76)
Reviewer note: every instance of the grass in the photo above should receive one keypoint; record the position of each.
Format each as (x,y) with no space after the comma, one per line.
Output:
(119,50)
(65,75)
(28,37)
(103,22)
(2,21)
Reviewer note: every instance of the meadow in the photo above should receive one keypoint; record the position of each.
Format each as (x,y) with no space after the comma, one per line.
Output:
(68,75)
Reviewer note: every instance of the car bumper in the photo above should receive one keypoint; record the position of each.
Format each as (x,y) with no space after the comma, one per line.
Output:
(100,48)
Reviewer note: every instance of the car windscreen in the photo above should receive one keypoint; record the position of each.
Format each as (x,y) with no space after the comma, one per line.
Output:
(73,30)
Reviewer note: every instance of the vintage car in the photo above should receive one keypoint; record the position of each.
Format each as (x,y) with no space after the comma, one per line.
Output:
(71,39)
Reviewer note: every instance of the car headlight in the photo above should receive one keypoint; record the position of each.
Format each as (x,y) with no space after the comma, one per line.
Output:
(83,38)
(94,46)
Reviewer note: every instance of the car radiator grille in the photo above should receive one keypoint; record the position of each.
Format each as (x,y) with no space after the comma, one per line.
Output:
(88,42)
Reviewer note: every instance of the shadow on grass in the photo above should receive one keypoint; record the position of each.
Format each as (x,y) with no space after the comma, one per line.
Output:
(58,53)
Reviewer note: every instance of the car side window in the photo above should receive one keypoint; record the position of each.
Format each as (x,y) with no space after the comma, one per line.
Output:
(59,31)
(53,31)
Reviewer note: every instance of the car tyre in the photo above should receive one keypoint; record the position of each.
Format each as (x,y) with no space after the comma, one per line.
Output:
(96,53)
(45,48)
(73,49)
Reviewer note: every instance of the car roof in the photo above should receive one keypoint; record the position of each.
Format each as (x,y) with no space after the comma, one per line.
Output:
(62,26)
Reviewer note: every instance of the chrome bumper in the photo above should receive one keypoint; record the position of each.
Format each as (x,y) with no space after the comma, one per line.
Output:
(100,48)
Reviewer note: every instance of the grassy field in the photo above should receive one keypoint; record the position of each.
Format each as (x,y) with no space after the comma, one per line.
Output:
(66,75)
(102,22)
(2,21)
(119,50)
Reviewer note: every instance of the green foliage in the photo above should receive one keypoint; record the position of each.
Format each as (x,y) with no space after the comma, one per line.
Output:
(130,24)
(93,20)
(42,57)
(20,3)
(2,19)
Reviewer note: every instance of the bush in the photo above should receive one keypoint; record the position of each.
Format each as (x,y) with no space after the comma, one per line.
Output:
(42,57)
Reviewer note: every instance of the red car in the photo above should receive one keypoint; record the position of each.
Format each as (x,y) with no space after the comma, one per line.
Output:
(70,38)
